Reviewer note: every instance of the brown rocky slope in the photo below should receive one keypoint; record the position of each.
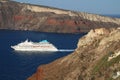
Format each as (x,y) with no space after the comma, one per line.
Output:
(21,16)
(97,57)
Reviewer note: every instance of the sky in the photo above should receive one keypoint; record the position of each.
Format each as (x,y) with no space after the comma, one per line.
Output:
(109,7)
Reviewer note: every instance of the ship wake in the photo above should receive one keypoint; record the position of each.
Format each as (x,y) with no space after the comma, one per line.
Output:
(66,50)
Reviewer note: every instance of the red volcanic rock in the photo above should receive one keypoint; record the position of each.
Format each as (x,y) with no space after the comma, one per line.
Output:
(17,18)
(70,23)
(39,74)
(20,17)
(52,22)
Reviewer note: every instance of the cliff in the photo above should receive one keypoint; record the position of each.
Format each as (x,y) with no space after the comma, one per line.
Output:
(97,57)
(22,16)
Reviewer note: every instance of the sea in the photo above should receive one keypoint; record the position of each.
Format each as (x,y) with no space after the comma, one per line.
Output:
(111,15)
(16,65)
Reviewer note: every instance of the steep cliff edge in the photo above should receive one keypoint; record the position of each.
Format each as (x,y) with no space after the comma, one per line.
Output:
(21,16)
(97,57)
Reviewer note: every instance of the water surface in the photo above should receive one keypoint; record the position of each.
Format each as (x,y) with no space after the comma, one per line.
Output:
(20,65)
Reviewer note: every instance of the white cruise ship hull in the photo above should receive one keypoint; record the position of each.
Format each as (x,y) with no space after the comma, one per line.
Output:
(34,49)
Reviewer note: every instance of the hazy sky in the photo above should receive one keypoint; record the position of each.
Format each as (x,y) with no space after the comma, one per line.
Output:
(90,6)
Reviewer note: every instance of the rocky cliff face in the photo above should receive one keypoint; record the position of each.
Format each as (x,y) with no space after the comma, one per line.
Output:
(97,57)
(21,16)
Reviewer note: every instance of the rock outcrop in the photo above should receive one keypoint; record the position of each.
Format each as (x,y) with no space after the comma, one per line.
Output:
(90,61)
(21,16)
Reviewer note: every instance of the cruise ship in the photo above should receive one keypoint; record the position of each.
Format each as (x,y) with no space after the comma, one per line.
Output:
(43,45)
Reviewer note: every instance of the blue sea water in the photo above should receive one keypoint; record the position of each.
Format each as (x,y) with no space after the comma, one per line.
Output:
(20,65)
(113,16)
